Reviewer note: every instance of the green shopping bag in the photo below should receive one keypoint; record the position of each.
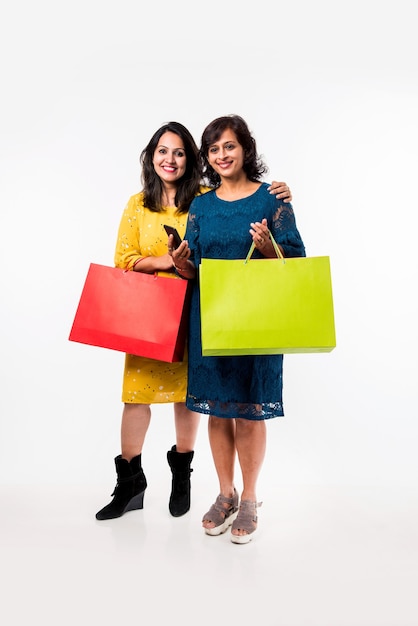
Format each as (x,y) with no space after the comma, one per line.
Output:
(266,306)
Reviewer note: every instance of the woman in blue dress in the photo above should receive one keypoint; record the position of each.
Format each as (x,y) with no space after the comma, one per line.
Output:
(238,393)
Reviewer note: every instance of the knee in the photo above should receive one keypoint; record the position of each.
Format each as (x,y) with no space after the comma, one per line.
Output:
(136,411)
(250,426)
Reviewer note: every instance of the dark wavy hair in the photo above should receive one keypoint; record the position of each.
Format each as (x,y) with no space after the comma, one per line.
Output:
(254,167)
(188,184)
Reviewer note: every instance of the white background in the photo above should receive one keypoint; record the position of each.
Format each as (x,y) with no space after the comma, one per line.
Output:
(330,91)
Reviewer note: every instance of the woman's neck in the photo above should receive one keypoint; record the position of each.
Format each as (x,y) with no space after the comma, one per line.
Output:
(236,189)
(168,196)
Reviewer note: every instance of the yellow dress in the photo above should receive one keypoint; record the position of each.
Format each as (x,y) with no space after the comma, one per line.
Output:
(141,233)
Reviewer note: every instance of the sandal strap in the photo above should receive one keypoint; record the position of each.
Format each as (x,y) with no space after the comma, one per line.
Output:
(247,516)
(218,513)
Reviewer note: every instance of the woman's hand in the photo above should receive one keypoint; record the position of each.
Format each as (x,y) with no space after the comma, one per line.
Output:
(261,237)
(180,258)
(260,233)
(281,191)
(179,255)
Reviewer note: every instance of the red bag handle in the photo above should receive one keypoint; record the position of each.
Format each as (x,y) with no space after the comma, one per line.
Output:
(127,269)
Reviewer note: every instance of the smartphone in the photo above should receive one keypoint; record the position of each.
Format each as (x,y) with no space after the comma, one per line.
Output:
(176,237)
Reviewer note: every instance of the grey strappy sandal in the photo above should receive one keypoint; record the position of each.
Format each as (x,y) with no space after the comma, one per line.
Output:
(222,516)
(246,520)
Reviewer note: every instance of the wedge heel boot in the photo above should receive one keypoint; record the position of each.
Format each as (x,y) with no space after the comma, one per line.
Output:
(128,494)
(179,463)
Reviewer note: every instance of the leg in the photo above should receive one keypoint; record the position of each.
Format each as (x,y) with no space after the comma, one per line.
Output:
(251,447)
(135,422)
(222,442)
(131,482)
(186,424)
(180,457)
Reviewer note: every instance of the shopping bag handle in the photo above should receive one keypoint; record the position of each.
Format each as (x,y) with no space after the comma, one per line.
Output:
(275,246)
(134,264)
(128,268)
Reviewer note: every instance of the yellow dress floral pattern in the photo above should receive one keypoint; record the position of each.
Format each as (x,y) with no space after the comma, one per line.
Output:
(141,233)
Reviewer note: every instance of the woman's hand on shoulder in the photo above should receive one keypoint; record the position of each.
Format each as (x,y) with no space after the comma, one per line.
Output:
(281,191)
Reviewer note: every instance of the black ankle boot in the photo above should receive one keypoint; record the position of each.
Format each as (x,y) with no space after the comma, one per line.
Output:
(179,463)
(129,491)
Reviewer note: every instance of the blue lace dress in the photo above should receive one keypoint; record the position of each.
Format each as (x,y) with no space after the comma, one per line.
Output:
(240,386)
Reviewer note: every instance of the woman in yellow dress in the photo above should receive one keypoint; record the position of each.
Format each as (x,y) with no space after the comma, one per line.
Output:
(171,178)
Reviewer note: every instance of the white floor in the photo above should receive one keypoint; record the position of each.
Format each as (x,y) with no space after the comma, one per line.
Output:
(323,556)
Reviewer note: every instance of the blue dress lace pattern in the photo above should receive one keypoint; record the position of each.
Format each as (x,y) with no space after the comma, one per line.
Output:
(249,387)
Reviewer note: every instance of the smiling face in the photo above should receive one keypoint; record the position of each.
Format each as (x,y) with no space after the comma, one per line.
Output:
(226,155)
(169,158)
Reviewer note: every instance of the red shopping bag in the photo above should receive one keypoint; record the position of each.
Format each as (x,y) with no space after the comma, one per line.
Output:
(133,312)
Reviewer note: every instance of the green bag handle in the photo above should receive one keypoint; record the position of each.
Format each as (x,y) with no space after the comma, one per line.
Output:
(275,246)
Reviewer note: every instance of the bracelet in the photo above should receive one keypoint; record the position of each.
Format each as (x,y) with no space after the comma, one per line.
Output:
(181,269)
